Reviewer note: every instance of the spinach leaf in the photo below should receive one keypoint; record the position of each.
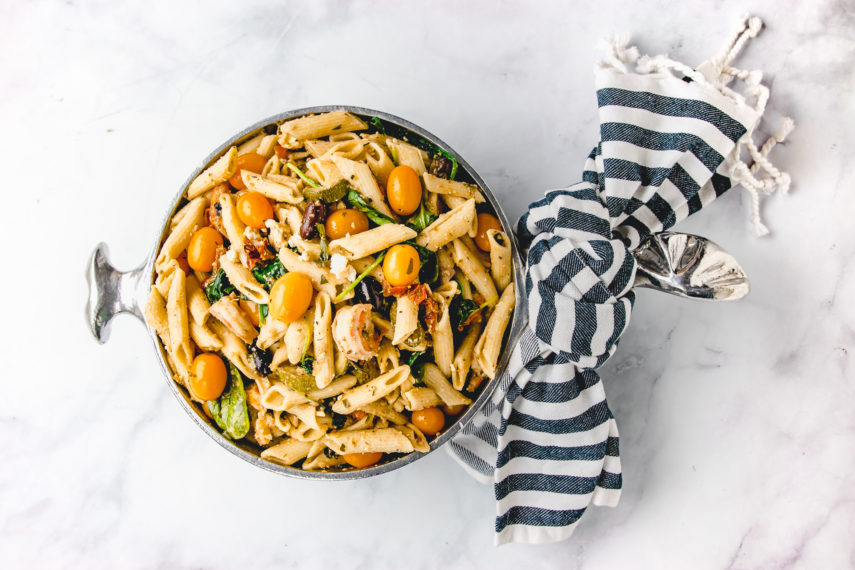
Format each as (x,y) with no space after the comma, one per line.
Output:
(459,310)
(229,410)
(357,202)
(417,363)
(269,273)
(307,363)
(423,219)
(218,287)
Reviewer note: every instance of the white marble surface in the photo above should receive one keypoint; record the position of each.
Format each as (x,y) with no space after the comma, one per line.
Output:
(737,420)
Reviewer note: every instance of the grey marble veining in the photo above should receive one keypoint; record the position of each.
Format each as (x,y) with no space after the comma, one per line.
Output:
(738,437)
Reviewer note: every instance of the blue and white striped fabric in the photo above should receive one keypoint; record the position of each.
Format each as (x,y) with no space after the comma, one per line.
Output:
(547,440)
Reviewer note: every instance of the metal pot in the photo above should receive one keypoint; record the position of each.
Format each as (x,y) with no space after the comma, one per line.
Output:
(112,292)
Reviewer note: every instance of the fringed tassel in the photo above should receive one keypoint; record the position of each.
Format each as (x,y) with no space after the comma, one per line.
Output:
(759,177)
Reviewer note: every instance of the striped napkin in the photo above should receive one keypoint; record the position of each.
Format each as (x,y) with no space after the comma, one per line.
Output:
(671,142)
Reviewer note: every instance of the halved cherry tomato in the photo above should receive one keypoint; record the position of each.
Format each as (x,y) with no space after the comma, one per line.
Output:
(254,209)
(453,410)
(401,265)
(250,161)
(202,250)
(207,376)
(486,222)
(346,221)
(290,296)
(358,415)
(361,460)
(404,190)
(251,310)
(429,420)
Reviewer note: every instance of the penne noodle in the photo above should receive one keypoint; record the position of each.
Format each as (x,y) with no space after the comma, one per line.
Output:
(223,169)
(406,319)
(359,175)
(288,452)
(383,440)
(251,145)
(156,316)
(443,338)
(501,266)
(243,279)
(271,332)
(234,349)
(179,238)
(436,381)
(449,226)
(279,397)
(177,317)
(452,188)
(298,337)
(204,337)
(489,346)
(280,191)
(382,409)
(415,436)
(420,398)
(324,366)
(408,155)
(462,362)
(334,388)
(266,146)
(474,271)
(317,126)
(371,241)
(197,302)
(322,279)
(378,161)
(371,391)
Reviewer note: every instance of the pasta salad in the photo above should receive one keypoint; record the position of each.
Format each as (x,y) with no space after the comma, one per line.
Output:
(333,291)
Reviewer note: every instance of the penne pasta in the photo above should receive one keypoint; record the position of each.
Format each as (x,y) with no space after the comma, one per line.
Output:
(288,452)
(227,311)
(223,169)
(371,391)
(371,241)
(179,238)
(284,190)
(360,176)
(474,271)
(318,126)
(408,155)
(324,367)
(453,188)
(501,266)
(443,339)
(436,381)
(243,279)
(487,349)
(322,279)
(384,440)
(406,319)
(420,398)
(462,362)
(177,321)
(449,226)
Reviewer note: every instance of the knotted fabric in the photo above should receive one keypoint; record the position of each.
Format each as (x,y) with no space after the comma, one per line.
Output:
(670,139)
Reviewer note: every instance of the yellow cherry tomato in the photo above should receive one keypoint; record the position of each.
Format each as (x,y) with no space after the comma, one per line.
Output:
(250,161)
(207,376)
(254,209)
(486,222)
(202,250)
(290,296)
(429,420)
(360,460)
(401,265)
(404,190)
(251,310)
(453,410)
(346,221)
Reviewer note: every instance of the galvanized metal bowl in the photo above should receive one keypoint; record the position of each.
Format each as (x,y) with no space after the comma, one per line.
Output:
(112,292)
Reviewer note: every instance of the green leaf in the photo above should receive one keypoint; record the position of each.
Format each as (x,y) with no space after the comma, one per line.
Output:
(218,287)
(269,273)
(229,410)
(355,200)
(423,219)
(405,135)
(417,363)
(459,310)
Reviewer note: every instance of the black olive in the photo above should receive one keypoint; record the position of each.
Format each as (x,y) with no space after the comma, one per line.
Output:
(316,213)
(440,166)
(271,129)
(370,291)
(261,359)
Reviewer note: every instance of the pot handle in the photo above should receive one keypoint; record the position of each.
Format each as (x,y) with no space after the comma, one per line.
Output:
(110,292)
